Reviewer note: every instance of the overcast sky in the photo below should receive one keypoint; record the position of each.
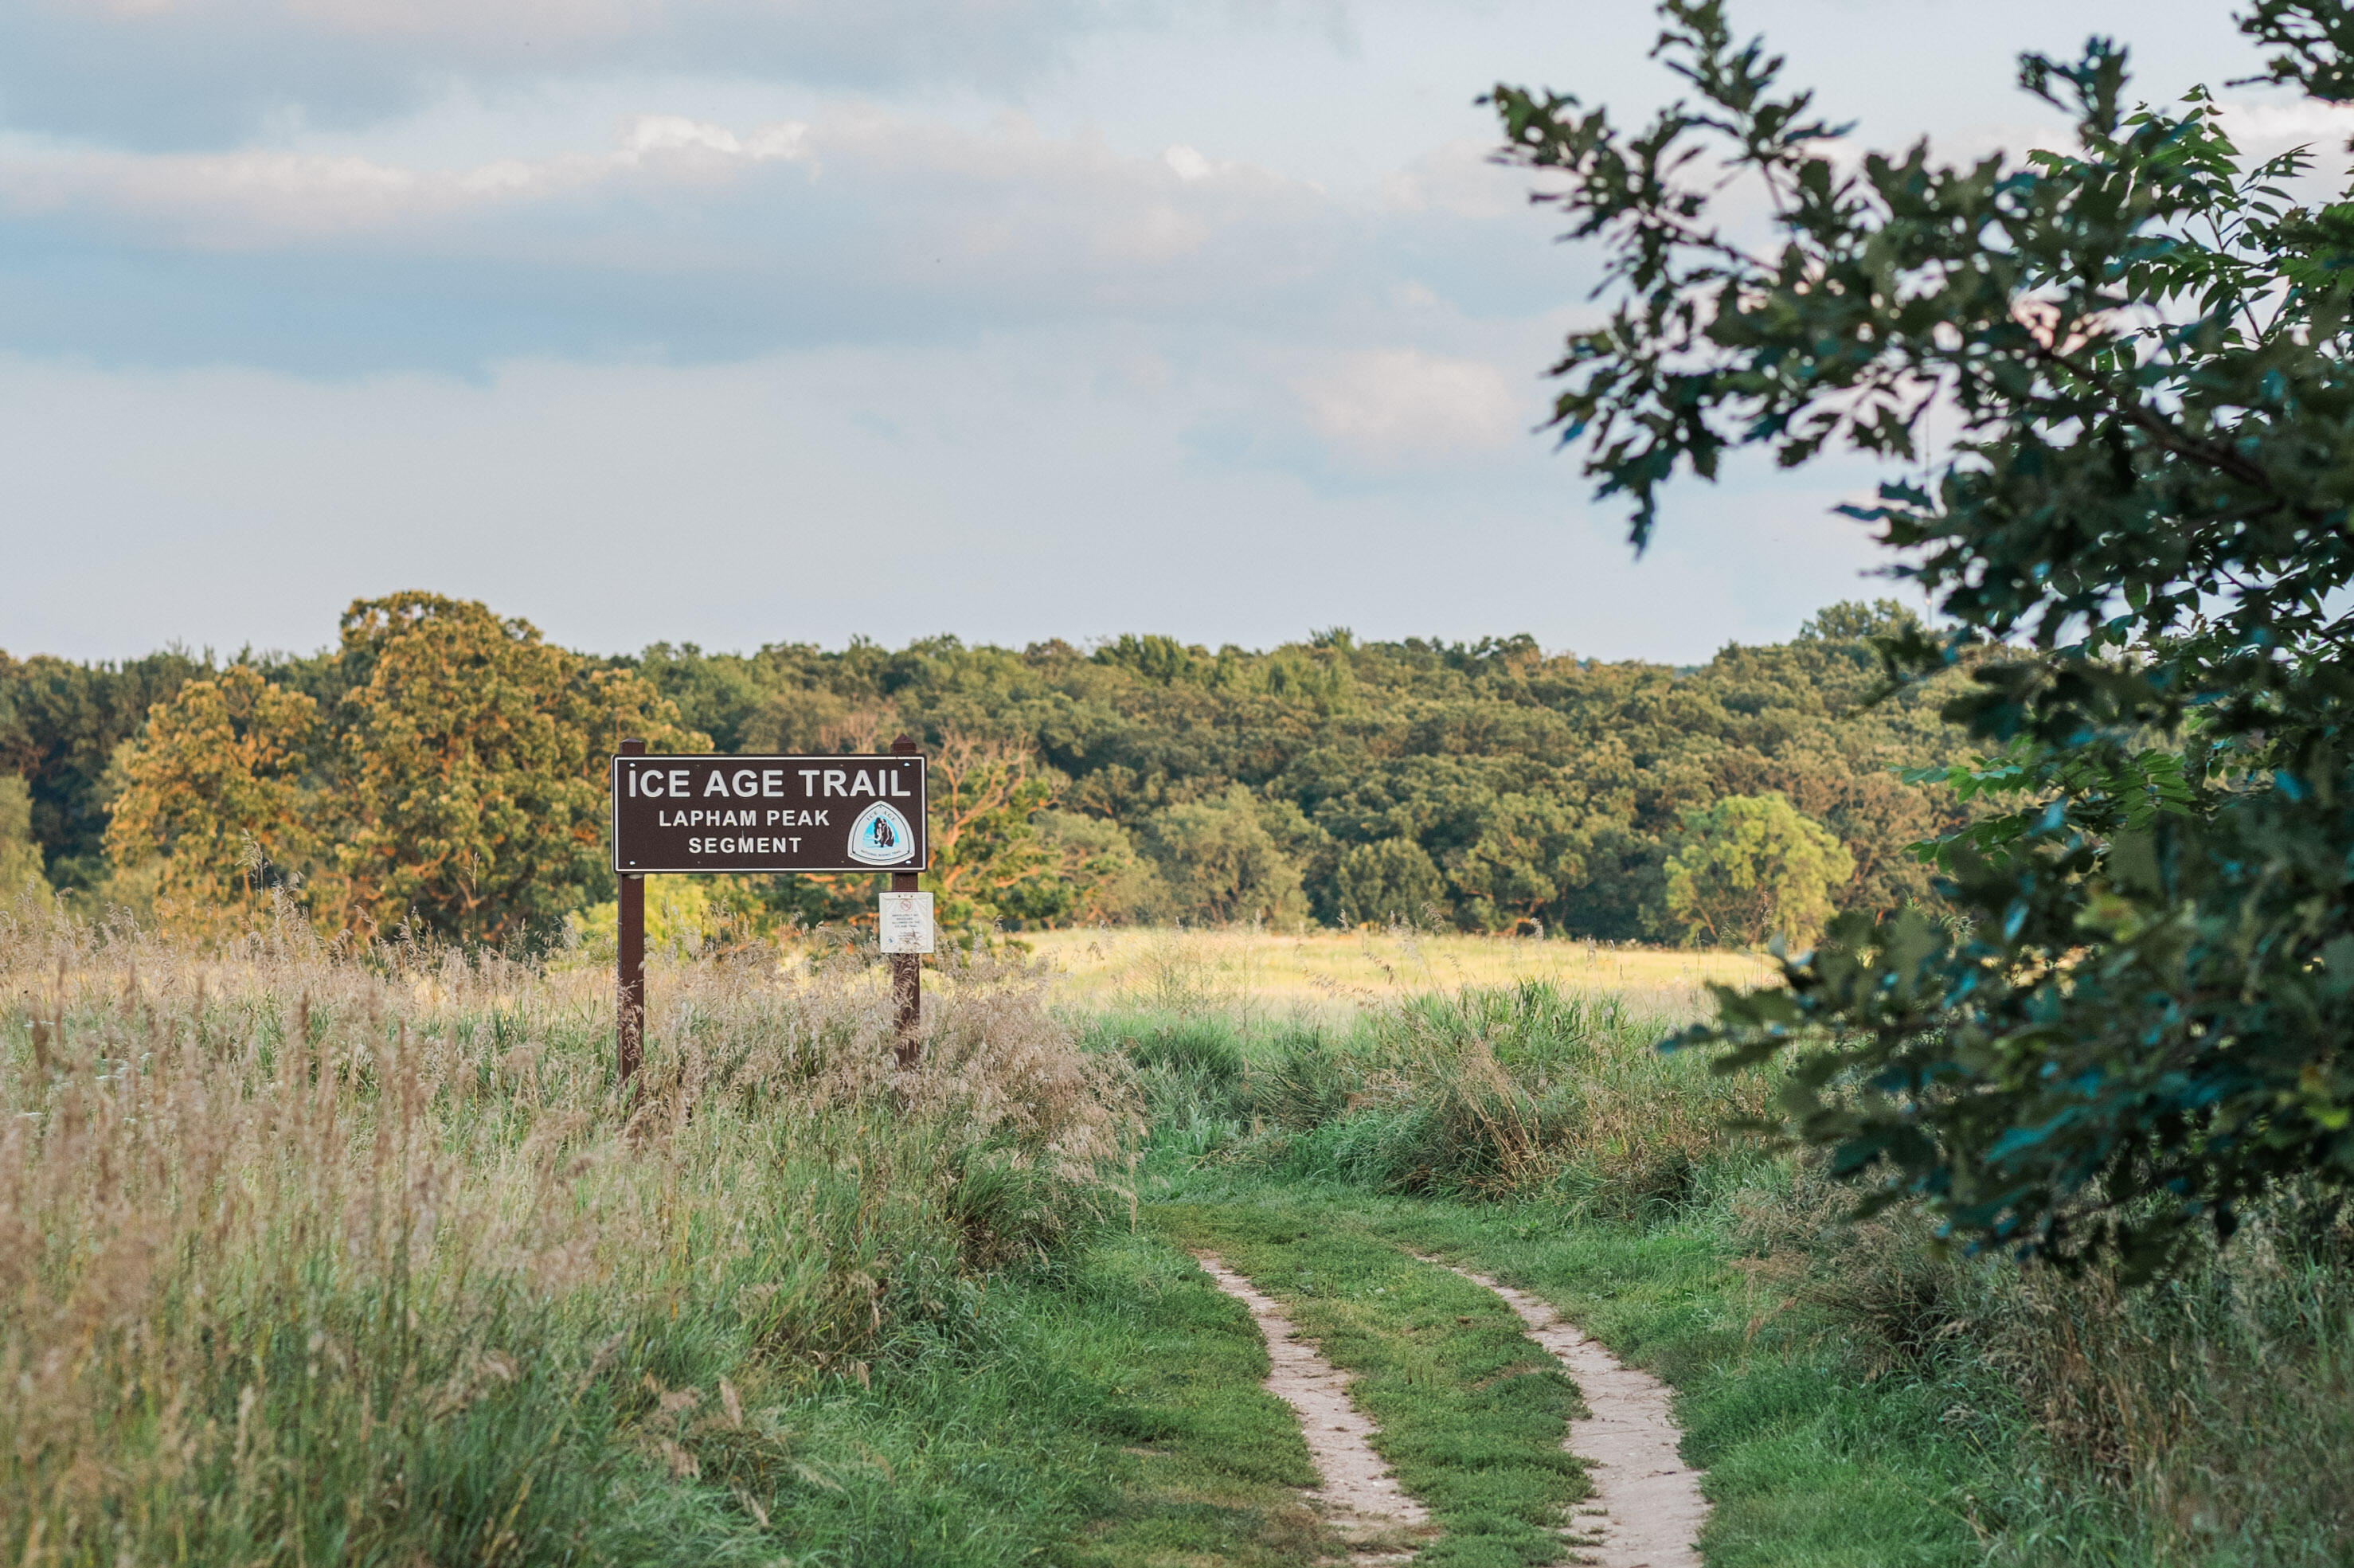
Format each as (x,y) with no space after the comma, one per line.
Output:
(744,320)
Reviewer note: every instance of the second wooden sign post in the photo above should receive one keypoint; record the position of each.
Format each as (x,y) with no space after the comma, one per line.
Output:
(905,925)
(712,816)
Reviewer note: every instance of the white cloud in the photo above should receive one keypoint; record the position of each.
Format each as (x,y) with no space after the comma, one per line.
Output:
(676,132)
(1398,407)
(256,199)
(866,218)
(259,199)
(1461,179)
(1188,164)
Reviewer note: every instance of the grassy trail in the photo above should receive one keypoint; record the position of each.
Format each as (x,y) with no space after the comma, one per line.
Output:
(310,1262)
(1200,1467)
(1805,1465)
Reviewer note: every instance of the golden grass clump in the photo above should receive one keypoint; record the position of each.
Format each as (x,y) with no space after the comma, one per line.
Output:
(1480,1092)
(1503,1091)
(310,1254)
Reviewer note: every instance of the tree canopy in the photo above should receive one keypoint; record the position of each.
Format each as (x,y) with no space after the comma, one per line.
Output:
(2134,516)
(1749,869)
(214,792)
(1491,787)
(452,782)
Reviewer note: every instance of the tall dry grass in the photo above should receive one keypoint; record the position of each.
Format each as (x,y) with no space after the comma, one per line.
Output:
(1524,1091)
(1337,977)
(313,1254)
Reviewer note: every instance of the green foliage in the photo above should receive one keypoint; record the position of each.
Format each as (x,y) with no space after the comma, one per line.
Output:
(1392,880)
(453,785)
(1161,659)
(1108,879)
(1532,851)
(2139,530)
(214,790)
(989,863)
(470,768)
(61,725)
(691,916)
(1750,867)
(1542,790)
(20,856)
(1220,865)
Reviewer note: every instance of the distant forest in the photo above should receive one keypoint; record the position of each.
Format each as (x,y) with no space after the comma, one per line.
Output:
(442,767)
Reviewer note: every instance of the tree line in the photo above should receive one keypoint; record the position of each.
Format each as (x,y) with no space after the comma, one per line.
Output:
(442,769)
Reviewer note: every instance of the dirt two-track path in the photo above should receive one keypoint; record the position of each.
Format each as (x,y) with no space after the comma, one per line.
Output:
(1360,1498)
(1647,1507)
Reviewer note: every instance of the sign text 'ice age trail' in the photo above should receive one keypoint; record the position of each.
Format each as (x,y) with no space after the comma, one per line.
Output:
(760,814)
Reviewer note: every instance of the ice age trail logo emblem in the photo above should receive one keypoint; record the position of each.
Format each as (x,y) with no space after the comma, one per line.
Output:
(881,837)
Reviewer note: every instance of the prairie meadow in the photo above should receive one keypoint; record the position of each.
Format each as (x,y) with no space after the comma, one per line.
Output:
(316,1254)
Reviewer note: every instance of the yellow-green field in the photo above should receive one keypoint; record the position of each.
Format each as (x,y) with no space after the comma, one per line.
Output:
(1336,974)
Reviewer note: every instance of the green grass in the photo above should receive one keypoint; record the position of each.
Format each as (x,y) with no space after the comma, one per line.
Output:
(1217,1461)
(1856,1400)
(1102,1412)
(1124,1388)
(1817,1453)
(1809,1459)
(1113,1417)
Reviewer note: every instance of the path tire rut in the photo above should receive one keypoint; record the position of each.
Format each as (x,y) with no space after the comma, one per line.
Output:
(1647,1509)
(1360,1499)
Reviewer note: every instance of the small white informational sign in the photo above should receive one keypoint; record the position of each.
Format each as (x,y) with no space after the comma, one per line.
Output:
(907,922)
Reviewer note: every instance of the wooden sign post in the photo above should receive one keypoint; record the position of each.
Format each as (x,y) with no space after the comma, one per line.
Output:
(629,1009)
(906,969)
(706,816)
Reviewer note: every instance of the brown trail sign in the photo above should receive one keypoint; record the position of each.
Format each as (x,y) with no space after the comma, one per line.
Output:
(719,815)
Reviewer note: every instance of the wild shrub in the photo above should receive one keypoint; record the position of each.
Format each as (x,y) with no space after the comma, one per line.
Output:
(1304,1081)
(1529,1090)
(1206,1049)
